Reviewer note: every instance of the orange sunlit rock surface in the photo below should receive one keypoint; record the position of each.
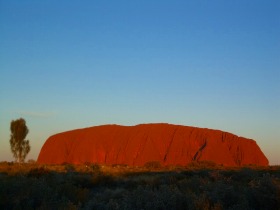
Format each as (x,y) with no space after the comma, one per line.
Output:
(136,145)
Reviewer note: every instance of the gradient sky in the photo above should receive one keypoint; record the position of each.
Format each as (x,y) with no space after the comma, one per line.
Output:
(73,64)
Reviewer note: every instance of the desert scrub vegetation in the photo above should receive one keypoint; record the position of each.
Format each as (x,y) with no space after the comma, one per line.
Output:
(153,165)
(93,186)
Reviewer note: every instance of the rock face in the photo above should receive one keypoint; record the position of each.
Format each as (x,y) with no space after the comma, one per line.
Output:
(137,145)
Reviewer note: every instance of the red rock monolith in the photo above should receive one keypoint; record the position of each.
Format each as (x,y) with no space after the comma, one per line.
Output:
(137,145)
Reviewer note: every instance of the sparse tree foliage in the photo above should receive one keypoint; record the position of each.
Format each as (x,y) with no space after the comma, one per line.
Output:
(19,146)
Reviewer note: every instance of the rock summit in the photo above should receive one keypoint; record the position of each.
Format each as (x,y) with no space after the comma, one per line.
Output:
(137,145)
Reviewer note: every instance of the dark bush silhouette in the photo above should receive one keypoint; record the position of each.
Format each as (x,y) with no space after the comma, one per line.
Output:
(215,189)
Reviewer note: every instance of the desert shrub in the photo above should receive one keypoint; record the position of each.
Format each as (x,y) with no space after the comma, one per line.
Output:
(163,197)
(92,167)
(151,181)
(245,175)
(175,167)
(207,164)
(31,161)
(95,167)
(102,180)
(266,193)
(119,165)
(69,168)
(82,181)
(38,172)
(202,164)
(45,188)
(202,202)
(153,165)
(229,196)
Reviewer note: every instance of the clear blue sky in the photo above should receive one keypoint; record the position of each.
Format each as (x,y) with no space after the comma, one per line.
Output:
(73,64)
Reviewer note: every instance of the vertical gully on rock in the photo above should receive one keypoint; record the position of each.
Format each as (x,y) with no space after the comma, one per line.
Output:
(138,152)
(170,143)
(199,152)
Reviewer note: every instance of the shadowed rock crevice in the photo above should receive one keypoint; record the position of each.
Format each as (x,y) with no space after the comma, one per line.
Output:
(199,152)
(170,143)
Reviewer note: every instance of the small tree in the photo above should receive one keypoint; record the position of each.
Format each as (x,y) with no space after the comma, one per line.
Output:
(20,147)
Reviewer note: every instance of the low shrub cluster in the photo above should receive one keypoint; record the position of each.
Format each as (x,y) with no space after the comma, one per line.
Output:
(215,189)
(153,165)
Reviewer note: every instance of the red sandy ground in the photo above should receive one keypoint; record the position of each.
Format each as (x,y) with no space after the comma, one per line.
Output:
(137,145)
